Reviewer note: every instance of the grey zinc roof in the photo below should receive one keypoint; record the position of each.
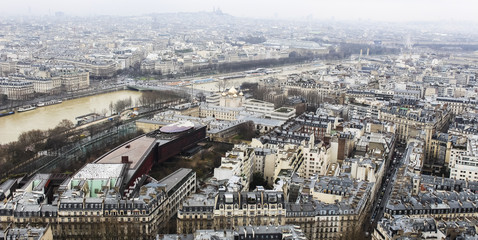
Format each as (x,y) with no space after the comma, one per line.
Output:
(171,180)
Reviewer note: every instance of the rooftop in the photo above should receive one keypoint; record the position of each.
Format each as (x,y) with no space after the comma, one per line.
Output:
(283,110)
(134,151)
(99,171)
(174,178)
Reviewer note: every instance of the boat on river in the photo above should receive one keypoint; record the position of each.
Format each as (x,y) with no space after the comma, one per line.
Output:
(26,108)
(47,103)
(6,112)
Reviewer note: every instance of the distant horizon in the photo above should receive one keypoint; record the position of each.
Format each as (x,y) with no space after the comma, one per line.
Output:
(53,14)
(341,10)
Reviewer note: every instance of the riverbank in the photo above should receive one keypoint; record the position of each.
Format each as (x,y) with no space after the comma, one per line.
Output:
(119,83)
(47,117)
(77,145)
(67,96)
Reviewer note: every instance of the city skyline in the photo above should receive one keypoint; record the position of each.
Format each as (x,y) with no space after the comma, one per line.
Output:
(238,120)
(393,11)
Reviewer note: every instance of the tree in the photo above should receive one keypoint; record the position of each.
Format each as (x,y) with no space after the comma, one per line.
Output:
(217,160)
(253,39)
(260,93)
(65,125)
(313,99)
(157,98)
(58,136)
(32,139)
(201,97)
(249,86)
(279,101)
(294,54)
(123,104)
(111,106)
(247,131)
(221,85)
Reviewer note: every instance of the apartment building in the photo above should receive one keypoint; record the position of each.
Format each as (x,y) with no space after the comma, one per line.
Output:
(408,93)
(431,196)
(419,123)
(16,89)
(228,210)
(45,85)
(362,111)
(330,208)
(96,69)
(279,232)
(406,227)
(437,79)
(317,158)
(178,186)
(73,80)
(249,208)
(90,204)
(335,210)
(464,161)
(456,105)
(237,165)
(28,232)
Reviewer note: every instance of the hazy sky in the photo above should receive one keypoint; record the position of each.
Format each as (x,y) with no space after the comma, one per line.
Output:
(382,10)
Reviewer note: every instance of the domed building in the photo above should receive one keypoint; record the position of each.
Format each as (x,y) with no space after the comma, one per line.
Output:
(232,98)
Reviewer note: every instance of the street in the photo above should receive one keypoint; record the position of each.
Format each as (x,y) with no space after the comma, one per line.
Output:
(386,187)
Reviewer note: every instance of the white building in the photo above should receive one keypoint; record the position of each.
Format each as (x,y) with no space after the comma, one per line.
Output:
(220,113)
(316,159)
(264,159)
(408,93)
(213,99)
(363,170)
(44,85)
(464,162)
(361,111)
(456,105)
(258,106)
(238,163)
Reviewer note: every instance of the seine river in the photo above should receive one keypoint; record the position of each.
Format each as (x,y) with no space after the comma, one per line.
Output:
(47,117)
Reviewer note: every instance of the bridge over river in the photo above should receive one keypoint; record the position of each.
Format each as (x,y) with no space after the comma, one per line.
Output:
(184,89)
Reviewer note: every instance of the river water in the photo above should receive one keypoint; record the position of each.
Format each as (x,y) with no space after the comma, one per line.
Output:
(47,117)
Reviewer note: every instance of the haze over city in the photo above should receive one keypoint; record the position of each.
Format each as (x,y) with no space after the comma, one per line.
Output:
(239,120)
(376,10)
